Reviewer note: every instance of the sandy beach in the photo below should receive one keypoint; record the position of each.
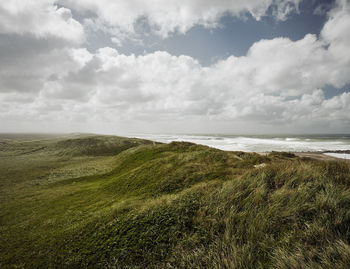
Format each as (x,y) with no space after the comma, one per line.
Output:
(320,156)
(314,155)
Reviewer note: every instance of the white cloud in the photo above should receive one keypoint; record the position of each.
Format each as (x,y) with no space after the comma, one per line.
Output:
(165,17)
(336,33)
(41,18)
(279,81)
(38,43)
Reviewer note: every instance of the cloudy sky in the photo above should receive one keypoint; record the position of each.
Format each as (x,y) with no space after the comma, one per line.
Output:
(190,66)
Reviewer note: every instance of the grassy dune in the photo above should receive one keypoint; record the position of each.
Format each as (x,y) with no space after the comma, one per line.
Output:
(112,202)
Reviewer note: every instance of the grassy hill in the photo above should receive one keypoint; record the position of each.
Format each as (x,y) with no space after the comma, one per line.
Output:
(113,202)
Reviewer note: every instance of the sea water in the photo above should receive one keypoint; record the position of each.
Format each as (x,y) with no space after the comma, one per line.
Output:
(339,155)
(260,143)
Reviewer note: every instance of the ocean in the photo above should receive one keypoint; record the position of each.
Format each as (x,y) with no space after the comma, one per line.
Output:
(260,143)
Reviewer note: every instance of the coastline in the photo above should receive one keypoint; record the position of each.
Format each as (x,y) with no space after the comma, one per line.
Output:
(261,143)
(319,156)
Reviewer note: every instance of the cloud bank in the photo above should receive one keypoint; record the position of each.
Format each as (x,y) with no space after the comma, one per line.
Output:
(46,74)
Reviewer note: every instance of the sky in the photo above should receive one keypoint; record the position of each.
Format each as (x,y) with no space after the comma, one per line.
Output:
(175,66)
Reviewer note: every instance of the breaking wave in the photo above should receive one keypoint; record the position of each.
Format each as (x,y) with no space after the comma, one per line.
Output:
(265,143)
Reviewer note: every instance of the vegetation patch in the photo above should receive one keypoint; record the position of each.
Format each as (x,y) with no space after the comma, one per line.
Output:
(110,202)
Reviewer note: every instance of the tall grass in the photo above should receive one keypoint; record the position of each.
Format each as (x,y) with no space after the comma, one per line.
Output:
(179,205)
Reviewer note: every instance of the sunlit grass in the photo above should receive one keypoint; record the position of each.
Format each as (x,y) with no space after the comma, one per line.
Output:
(137,204)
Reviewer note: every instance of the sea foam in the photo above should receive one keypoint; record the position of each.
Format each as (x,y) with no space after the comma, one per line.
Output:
(265,143)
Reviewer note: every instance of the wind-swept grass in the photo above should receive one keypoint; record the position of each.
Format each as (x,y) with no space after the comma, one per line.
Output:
(178,205)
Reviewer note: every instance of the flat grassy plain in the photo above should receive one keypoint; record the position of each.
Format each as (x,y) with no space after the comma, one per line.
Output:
(86,201)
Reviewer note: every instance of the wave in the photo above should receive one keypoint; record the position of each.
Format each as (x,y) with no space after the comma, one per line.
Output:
(258,144)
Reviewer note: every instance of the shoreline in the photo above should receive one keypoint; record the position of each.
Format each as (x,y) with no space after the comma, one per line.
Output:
(322,155)
(319,156)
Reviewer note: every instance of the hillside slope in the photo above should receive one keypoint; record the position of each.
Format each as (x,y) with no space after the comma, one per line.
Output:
(69,145)
(177,205)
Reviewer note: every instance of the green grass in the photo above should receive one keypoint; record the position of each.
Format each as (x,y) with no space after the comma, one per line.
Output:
(112,202)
